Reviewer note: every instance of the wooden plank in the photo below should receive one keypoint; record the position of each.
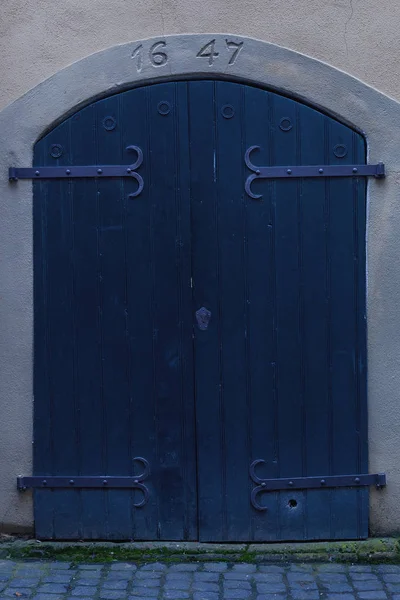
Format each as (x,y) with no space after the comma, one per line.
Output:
(347,294)
(139,314)
(315,334)
(61,335)
(261,334)
(87,281)
(174,469)
(233,317)
(206,282)
(42,438)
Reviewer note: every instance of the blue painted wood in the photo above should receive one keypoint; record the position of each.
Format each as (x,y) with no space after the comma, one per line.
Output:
(122,369)
(113,295)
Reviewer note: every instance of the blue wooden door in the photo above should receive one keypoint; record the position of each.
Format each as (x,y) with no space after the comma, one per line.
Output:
(281,370)
(131,381)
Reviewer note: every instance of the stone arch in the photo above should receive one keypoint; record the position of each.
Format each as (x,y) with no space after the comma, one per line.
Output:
(189,56)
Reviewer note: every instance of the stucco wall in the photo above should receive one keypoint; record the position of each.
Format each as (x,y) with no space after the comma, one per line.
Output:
(39,38)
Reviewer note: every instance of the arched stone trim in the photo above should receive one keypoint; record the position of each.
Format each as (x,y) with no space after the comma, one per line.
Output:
(187,56)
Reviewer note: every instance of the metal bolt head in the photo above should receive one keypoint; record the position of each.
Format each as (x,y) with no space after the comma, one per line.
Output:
(135,481)
(320,170)
(289,171)
(68,171)
(323,482)
(357,480)
(99,171)
(44,482)
(355,170)
(290,483)
(37,173)
(263,484)
(71,482)
(258,172)
(129,170)
(105,482)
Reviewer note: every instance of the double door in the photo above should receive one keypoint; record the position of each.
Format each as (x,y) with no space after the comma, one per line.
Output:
(192,337)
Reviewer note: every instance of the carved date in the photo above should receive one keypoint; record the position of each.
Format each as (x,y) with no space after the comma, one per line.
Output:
(157,55)
(208,51)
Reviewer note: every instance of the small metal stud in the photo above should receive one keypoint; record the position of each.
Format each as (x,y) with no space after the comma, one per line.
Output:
(56,150)
(71,482)
(68,171)
(290,483)
(258,171)
(285,124)
(129,170)
(37,173)
(289,171)
(105,482)
(323,482)
(135,481)
(99,171)
(44,482)
(320,170)
(263,484)
(357,480)
(355,170)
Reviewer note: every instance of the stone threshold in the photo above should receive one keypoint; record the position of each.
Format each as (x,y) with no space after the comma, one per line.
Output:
(373,550)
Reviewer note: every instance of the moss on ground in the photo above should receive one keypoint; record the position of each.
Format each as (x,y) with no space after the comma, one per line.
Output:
(375,550)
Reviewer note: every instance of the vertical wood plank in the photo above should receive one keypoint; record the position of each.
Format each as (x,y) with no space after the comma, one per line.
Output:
(206,281)
(262,313)
(89,366)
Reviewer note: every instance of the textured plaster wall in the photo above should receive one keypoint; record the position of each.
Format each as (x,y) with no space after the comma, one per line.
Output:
(39,38)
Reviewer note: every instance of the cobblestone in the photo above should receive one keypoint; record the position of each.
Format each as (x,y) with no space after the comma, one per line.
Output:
(197,581)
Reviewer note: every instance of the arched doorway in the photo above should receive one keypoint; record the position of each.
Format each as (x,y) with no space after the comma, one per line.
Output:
(185,330)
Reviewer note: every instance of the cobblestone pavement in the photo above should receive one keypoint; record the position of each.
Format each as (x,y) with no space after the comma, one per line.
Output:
(198,581)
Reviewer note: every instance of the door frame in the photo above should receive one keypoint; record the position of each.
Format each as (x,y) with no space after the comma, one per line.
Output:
(219,56)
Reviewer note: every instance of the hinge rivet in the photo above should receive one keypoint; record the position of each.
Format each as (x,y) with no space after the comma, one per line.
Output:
(323,482)
(99,171)
(44,482)
(37,173)
(290,482)
(71,482)
(355,170)
(357,480)
(320,170)
(105,482)
(68,172)
(289,171)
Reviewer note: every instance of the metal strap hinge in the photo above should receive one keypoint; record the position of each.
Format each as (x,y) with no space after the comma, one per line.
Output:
(91,481)
(73,172)
(318,171)
(307,483)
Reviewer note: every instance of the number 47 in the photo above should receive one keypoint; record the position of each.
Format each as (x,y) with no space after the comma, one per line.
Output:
(208,51)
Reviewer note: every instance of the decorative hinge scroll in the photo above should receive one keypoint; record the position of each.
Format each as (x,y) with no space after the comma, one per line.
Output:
(305,483)
(72,172)
(318,171)
(91,481)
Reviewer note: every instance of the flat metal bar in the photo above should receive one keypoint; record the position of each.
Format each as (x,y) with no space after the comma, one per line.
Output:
(100,171)
(330,481)
(105,481)
(321,171)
